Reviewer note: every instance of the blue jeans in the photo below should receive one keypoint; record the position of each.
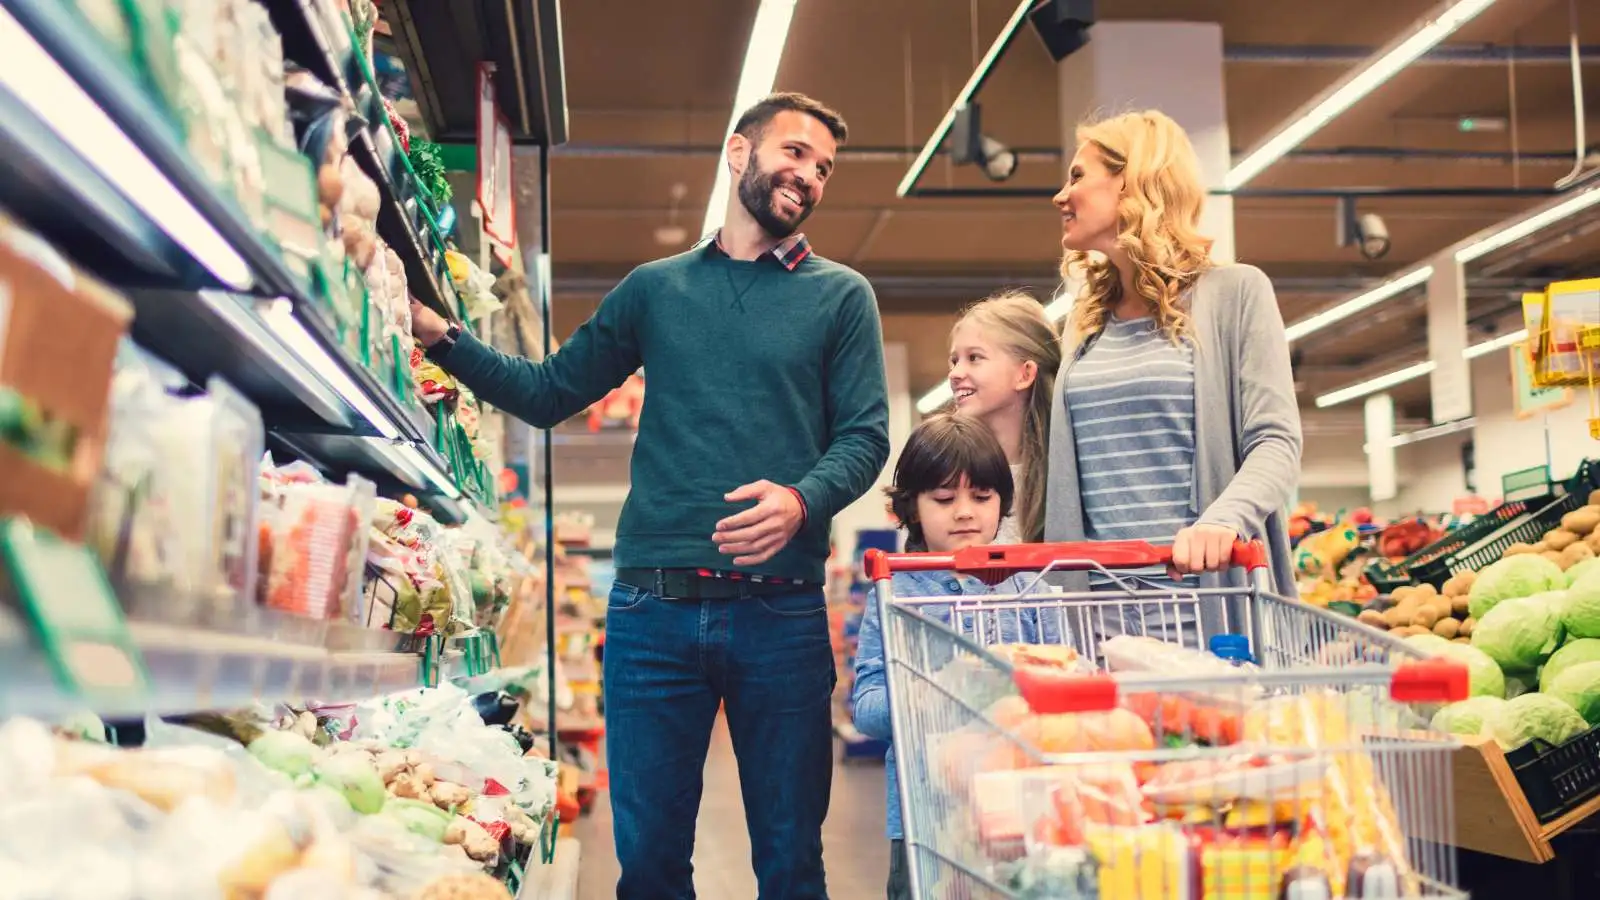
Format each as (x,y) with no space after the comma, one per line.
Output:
(768,660)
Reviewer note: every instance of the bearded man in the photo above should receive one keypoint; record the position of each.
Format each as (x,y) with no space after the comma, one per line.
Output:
(766,416)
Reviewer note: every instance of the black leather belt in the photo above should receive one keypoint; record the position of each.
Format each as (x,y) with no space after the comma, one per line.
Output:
(687,584)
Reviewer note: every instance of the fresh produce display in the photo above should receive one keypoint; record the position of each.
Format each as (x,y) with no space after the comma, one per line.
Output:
(1278,799)
(424,801)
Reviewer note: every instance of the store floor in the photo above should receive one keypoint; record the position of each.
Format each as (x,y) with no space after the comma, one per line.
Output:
(855,849)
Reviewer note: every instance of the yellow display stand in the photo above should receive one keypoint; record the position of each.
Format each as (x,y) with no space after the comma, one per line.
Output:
(1564,339)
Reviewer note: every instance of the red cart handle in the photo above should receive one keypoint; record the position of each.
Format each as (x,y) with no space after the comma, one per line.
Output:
(1051,691)
(1003,561)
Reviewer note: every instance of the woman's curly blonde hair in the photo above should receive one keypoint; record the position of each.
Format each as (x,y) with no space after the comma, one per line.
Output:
(1158,219)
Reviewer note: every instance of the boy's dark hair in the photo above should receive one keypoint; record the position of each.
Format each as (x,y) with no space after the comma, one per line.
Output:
(753,123)
(941,450)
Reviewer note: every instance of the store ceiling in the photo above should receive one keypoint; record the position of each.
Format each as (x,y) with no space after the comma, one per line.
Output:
(649,88)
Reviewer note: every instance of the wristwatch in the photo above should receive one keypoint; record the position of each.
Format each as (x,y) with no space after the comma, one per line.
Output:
(442,347)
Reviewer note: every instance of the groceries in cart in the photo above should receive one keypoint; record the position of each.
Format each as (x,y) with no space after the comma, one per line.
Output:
(1248,769)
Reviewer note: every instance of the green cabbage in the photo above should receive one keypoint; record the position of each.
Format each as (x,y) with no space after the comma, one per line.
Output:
(1579,686)
(1512,577)
(1581,612)
(1584,567)
(1468,717)
(1484,677)
(1519,634)
(1530,716)
(418,817)
(1573,652)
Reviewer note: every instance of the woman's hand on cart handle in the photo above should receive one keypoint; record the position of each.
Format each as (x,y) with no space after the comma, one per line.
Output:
(1205,548)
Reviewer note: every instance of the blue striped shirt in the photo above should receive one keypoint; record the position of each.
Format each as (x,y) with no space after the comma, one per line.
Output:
(1132,402)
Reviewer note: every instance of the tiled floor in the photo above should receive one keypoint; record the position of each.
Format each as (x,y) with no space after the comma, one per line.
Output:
(856,851)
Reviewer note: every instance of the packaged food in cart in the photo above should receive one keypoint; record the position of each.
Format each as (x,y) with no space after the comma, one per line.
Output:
(1174,772)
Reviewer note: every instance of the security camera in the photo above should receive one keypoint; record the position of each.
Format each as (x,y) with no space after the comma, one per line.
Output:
(970,146)
(1367,231)
(999,162)
(1373,236)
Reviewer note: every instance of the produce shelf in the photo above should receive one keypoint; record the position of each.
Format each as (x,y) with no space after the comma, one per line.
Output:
(193,669)
(1493,814)
(200,291)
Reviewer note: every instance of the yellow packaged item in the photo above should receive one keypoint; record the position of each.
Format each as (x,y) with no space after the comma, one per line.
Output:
(1152,862)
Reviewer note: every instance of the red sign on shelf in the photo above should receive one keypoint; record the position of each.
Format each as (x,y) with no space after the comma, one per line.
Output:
(496,191)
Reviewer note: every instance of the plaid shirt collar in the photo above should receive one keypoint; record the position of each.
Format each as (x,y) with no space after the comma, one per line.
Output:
(789,252)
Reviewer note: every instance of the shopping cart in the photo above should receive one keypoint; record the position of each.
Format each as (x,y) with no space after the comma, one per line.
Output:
(1305,770)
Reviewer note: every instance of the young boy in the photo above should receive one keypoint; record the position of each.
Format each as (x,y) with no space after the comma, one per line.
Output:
(952,486)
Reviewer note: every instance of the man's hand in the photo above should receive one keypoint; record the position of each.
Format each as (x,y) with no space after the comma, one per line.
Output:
(1203,548)
(427,325)
(755,535)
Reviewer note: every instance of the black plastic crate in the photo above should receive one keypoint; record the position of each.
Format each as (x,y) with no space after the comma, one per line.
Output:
(1530,530)
(1386,576)
(1555,779)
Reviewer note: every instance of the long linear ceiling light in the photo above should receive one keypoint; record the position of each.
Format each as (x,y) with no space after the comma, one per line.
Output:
(1502,234)
(34,77)
(1414,371)
(756,78)
(968,91)
(1361,81)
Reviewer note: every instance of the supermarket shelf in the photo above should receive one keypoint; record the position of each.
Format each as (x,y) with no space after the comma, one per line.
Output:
(206,319)
(373,147)
(557,880)
(191,669)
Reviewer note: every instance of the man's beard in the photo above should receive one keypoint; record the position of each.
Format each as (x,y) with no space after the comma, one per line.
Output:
(756,190)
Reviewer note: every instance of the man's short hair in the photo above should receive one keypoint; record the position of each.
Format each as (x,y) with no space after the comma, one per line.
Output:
(753,123)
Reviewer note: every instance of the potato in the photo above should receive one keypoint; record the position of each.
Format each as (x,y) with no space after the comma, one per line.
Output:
(1559,539)
(1582,521)
(1553,556)
(1459,606)
(1462,640)
(1594,542)
(1442,605)
(1425,617)
(1575,554)
(1518,549)
(1460,584)
(1594,497)
(1397,617)
(1427,590)
(1467,625)
(1372,617)
(1447,628)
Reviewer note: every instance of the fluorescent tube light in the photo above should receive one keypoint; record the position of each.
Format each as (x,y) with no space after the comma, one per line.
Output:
(1499,343)
(1518,230)
(1401,376)
(1382,382)
(413,467)
(440,478)
(756,78)
(1357,84)
(279,316)
(1348,308)
(34,77)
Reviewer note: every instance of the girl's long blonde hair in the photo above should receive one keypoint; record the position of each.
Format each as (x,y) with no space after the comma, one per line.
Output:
(1158,220)
(1016,322)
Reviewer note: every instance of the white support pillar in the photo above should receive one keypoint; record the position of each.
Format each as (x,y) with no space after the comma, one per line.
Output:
(1116,73)
(1451,379)
(1382,476)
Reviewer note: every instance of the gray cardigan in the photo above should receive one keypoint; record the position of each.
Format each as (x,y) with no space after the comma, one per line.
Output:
(1247,423)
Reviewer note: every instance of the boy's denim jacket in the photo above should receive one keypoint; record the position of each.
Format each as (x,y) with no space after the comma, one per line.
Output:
(870,696)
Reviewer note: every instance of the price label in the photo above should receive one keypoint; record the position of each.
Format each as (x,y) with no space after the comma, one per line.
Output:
(1589,338)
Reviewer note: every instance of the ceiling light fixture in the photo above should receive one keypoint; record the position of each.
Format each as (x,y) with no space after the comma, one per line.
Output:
(1396,285)
(34,77)
(1414,371)
(760,71)
(1505,235)
(1357,84)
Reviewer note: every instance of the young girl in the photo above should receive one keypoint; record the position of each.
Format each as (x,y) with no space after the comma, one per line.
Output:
(1004,355)
(952,487)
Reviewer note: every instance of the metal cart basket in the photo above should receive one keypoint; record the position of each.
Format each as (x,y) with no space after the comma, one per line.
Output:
(1303,767)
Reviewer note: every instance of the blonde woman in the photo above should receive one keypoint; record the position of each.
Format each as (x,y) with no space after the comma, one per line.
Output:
(1004,355)
(1177,421)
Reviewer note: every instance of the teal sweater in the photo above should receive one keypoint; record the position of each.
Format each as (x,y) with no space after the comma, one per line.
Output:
(753,372)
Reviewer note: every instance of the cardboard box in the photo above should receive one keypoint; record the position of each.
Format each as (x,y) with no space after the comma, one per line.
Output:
(58,342)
